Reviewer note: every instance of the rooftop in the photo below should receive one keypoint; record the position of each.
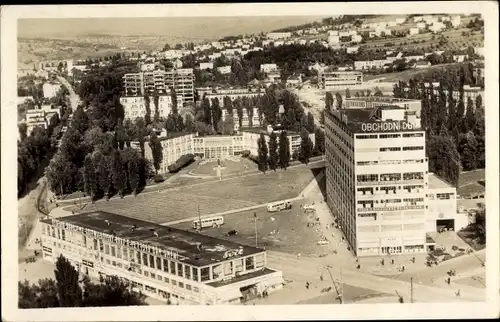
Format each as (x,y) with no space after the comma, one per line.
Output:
(361,120)
(185,242)
(261,130)
(387,99)
(436,182)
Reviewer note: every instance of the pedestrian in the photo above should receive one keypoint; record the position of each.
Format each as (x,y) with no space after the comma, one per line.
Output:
(458,292)
(358,267)
(449,280)
(298,256)
(413,260)
(392,261)
(382,262)
(307,285)
(321,277)
(403,269)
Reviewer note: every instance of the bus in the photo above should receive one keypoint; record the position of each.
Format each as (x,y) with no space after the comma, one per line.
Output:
(278,206)
(208,222)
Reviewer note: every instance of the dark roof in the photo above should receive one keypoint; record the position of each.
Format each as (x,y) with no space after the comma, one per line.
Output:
(185,242)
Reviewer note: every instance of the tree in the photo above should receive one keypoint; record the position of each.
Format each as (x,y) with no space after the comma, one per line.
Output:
(468,149)
(104,174)
(170,125)
(329,100)
(262,153)
(133,175)
(112,291)
(189,124)
(207,114)
(479,102)
(216,112)
(156,150)
(306,146)
(310,125)
(284,150)
(338,98)
(378,92)
(156,101)
(69,291)
(90,178)
(173,97)
(347,93)
(470,119)
(319,144)
(23,131)
(119,175)
(147,104)
(273,151)
(41,295)
(444,159)
(239,110)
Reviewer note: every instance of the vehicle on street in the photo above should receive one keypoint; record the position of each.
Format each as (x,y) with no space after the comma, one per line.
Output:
(278,206)
(232,233)
(214,222)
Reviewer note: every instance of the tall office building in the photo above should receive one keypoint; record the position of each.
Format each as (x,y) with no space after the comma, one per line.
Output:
(376,178)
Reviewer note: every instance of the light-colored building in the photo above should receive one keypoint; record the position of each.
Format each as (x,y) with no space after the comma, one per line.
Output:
(40,117)
(231,93)
(369,64)
(414,31)
(340,80)
(134,106)
(181,80)
(456,21)
(245,120)
(376,178)
(333,40)
(252,136)
(174,146)
(266,68)
(442,211)
(208,65)
(218,146)
(278,35)
(411,106)
(165,263)
(224,70)
(50,90)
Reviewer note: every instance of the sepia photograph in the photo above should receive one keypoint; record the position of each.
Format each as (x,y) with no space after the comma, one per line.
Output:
(181,158)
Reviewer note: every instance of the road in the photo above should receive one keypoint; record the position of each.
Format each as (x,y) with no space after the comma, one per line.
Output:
(74,98)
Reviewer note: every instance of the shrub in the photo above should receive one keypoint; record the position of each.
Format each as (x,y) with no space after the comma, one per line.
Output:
(254,158)
(245,153)
(182,162)
(454,248)
(158,178)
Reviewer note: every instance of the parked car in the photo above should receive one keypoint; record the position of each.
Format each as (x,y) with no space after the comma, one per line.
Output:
(231,233)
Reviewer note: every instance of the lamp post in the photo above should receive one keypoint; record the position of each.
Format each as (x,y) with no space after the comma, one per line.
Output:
(411,289)
(255,226)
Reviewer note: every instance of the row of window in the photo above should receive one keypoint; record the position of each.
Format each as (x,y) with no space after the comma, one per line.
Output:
(389,136)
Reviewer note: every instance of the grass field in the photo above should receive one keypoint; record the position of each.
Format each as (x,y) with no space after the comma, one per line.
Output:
(258,188)
(405,75)
(276,231)
(229,167)
(471,183)
(212,197)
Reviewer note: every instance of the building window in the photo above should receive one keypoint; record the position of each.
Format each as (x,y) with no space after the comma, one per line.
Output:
(195,274)
(106,249)
(151,261)
(158,263)
(249,263)
(180,270)
(187,271)
(181,285)
(165,265)
(113,251)
(118,252)
(166,279)
(145,259)
(205,274)
(172,268)
(188,287)
(412,148)
(174,282)
(153,275)
(146,273)
(138,255)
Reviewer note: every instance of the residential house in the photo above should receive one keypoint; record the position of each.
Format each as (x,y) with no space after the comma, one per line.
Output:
(224,70)
(266,68)
(208,65)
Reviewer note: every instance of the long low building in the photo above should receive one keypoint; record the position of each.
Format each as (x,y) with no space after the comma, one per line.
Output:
(213,147)
(166,263)
(340,80)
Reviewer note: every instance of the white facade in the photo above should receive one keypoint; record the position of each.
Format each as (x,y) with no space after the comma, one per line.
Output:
(333,39)
(224,70)
(250,141)
(245,121)
(369,64)
(266,68)
(442,206)
(414,31)
(50,90)
(278,35)
(204,66)
(157,270)
(340,80)
(134,106)
(376,183)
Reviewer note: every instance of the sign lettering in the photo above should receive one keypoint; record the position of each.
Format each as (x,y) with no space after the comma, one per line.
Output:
(386,126)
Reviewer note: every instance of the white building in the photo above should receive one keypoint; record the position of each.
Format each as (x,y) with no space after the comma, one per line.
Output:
(442,211)
(411,106)
(340,80)
(369,64)
(224,70)
(135,106)
(161,262)
(437,27)
(148,67)
(266,68)
(246,118)
(352,49)
(204,66)
(278,35)
(414,31)
(252,136)
(333,39)
(356,38)
(50,90)
(456,21)
(376,177)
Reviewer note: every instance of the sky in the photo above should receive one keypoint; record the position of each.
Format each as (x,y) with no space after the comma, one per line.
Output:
(190,27)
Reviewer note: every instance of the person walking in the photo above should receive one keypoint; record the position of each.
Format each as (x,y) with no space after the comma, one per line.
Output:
(307,285)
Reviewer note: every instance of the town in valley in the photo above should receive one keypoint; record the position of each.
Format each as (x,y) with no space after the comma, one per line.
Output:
(333,160)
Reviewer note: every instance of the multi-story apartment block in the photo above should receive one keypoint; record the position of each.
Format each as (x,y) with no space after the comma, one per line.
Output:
(231,93)
(134,106)
(340,80)
(376,177)
(169,264)
(245,120)
(40,117)
(181,80)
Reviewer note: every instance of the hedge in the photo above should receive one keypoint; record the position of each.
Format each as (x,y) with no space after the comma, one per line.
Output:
(182,162)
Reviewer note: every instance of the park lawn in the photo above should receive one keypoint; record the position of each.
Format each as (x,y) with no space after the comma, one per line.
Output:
(164,206)
(258,188)
(405,75)
(229,167)
(284,231)
(470,236)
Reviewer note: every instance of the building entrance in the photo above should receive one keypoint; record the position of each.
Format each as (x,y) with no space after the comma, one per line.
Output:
(391,250)
(445,225)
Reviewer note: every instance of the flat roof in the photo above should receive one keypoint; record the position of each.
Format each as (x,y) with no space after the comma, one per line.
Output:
(259,130)
(436,182)
(387,99)
(262,272)
(185,242)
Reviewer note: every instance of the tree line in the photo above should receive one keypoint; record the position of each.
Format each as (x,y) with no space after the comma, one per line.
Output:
(455,126)
(68,290)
